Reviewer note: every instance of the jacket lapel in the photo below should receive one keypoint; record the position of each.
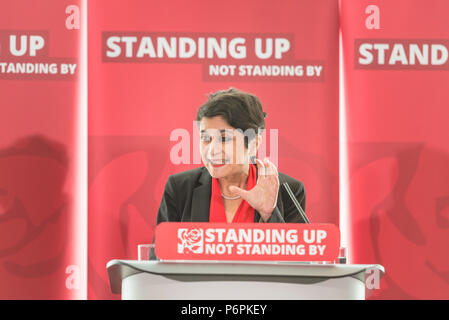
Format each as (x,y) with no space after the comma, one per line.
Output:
(201,198)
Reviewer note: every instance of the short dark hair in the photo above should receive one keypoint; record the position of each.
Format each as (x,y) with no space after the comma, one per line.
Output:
(240,109)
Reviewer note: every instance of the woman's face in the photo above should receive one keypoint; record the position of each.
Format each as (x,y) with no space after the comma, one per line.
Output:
(222,148)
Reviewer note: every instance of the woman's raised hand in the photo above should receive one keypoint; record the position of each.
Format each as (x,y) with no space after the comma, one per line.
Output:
(263,197)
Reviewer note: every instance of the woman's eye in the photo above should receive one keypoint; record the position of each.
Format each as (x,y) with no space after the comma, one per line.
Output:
(223,139)
(205,138)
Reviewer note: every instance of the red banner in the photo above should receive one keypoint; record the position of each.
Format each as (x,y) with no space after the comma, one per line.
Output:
(151,67)
(247,241)
(397,92)
(42,236)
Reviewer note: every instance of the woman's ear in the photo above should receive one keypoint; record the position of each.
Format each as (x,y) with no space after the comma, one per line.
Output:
(258,141)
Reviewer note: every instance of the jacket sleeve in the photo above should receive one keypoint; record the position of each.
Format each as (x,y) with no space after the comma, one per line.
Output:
(168,211)
(291,213)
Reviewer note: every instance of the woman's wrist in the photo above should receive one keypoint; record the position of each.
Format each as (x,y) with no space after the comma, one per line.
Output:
(266,215)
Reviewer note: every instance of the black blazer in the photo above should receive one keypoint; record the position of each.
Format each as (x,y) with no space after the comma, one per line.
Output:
(187,196)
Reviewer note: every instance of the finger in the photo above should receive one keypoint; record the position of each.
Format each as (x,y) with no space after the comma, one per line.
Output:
(238,191)
(269,171)
(270,168)
(266,163)
(260,168)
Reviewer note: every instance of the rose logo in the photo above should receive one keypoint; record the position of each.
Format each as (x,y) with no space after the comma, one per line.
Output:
(190,241)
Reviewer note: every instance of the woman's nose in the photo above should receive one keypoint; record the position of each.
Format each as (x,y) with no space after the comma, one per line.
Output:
(215,148)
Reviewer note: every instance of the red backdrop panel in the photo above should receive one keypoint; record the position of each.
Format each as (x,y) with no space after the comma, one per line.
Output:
(38,152)
(134,107)
(398,149)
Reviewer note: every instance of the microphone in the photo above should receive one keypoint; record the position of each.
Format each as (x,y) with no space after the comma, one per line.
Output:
(295,202)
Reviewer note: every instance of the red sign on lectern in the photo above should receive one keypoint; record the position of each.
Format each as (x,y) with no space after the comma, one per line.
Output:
(247,241)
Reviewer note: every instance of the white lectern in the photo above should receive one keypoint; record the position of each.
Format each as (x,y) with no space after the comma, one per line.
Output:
(237,280)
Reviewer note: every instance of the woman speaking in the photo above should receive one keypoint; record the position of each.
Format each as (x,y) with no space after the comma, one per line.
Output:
(233,186)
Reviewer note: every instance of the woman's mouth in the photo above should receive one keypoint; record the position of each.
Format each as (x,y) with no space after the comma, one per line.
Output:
(217,163)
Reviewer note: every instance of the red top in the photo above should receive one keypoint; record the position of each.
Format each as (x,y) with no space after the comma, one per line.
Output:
(244,214)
